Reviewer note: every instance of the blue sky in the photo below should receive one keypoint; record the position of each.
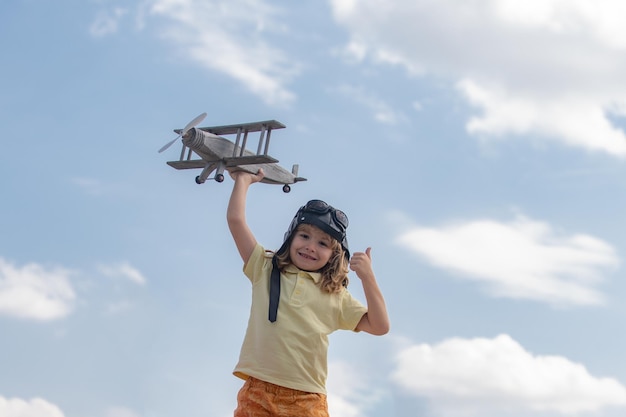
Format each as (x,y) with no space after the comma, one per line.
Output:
(477,146)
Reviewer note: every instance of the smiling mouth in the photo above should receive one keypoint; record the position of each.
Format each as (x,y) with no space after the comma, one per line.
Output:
(304,255)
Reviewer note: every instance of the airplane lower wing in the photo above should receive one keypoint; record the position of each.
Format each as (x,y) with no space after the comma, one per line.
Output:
(188,164)
(207,168)
(228,162)
(249,160)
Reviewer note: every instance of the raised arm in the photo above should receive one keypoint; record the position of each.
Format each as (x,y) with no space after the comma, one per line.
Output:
(376,320)
(236,213)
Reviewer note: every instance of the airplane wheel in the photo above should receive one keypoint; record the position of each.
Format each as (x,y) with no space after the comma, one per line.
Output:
(198,180)
(286,188)
(219,178)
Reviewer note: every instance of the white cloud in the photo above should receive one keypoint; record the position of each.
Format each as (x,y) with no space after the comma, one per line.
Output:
(36,407)
(228,37)
(350,390)
(600,20)
(123,270)
(523,258)
(580,123)
(480,377)
(551,68)
(34,292)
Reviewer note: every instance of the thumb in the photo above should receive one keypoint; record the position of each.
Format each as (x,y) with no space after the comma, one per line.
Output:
(368,251)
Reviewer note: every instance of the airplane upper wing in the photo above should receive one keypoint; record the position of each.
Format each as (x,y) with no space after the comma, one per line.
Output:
(250,127)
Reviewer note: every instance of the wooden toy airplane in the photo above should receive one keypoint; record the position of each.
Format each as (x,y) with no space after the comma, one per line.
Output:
(219,154)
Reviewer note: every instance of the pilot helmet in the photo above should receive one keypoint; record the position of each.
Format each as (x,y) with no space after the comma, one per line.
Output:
(324,216)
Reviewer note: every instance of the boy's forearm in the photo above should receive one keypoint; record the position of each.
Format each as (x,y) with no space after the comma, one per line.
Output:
(236,211)
(236,218)
(376,308)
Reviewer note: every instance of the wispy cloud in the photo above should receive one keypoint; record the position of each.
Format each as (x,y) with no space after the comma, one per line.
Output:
(229,38)
(99,188)
(123,270)
(551,69)
(120,412)
(383,112)
(91,186)
(35,292)
(119,307)
(107,22)
(522,258)
(490,377)
(17,407)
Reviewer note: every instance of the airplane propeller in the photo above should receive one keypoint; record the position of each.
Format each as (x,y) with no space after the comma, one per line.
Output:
(188,126)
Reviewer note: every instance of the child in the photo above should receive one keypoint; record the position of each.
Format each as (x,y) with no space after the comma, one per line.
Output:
(299,297)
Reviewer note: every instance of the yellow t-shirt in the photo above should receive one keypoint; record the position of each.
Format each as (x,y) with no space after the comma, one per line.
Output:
(292,352)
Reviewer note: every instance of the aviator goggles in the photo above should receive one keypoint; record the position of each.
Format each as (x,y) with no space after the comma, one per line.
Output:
(321,207)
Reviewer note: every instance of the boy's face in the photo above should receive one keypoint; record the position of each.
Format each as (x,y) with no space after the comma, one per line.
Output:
(310,248)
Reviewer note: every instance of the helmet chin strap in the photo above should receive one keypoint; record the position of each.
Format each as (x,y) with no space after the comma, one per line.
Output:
(274,290)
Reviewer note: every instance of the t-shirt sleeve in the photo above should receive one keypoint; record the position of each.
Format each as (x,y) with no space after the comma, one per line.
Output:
(352,310)
(256,263)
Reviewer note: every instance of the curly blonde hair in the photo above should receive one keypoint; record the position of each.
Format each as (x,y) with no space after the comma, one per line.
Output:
(334,273)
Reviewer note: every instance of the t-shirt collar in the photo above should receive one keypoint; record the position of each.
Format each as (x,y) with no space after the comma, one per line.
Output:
(315,276)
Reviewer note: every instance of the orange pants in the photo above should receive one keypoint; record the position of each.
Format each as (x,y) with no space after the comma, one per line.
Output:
(261,399)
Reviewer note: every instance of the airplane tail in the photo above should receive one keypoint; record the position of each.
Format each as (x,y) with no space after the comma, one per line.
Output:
(294,171)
